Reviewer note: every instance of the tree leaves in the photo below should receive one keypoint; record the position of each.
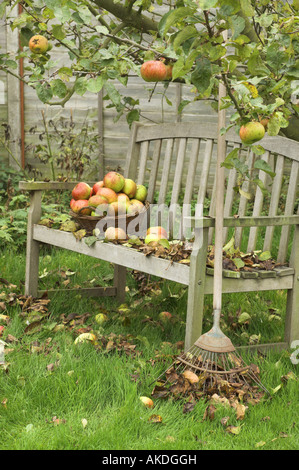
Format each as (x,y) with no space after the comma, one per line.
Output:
(202,74)
(173,17)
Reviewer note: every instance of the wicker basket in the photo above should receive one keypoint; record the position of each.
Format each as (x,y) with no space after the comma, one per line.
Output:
(89,222)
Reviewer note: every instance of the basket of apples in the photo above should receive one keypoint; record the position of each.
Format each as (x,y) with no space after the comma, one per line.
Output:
(117,199)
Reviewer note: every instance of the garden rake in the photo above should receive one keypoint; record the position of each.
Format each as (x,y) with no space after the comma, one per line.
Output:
(213,359)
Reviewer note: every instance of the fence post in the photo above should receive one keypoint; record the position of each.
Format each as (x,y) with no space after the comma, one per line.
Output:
(13,95)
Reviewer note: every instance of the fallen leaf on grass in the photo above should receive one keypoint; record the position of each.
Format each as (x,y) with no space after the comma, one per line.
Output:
(155,419)
(209,413)
(260,444)
(240,411)
(84,423)
(233,430)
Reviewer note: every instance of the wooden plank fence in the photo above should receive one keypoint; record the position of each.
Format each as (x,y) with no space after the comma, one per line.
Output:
(113,135)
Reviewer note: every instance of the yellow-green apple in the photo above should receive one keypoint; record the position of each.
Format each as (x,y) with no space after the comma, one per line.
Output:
(115,233)
(134,207)
(159,232)
(114,180)
(141,192)
(80,204)
(148,402)
(155,71)
(108,193)
(84,337)
(81,191)
(101,318)
(38,44)
(96,187)
(129,188)
(252,132)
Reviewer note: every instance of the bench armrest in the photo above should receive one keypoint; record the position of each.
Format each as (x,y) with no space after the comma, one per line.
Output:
(261,221)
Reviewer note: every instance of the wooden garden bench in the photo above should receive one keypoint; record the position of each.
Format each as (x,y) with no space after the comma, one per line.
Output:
(177,163)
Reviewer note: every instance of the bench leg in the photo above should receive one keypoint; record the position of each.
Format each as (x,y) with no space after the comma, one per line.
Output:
(195,305)
(32,249)
(120,282)
(292,313)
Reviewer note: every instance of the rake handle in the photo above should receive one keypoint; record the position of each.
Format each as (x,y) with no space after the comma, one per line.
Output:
(219,209)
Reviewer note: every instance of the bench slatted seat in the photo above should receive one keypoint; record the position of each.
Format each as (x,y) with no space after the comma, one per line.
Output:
(177,164)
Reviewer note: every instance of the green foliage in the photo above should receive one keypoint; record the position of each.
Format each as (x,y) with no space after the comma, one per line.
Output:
(258,63)
(14,207)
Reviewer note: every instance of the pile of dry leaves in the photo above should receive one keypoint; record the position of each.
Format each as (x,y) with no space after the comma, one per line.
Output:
(179,384)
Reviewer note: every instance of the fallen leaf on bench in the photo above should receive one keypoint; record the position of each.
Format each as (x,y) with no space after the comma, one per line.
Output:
(79,234)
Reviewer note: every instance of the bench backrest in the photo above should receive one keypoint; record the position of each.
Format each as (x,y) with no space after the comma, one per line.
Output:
(177,162)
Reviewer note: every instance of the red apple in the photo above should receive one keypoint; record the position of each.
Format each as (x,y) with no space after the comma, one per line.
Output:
(114,180)
(1,330)
(81,191)
(252,132)
(79,204)
(115,233)
(141,192)
(159,232)
(96,187)
(155,71)
(108,193)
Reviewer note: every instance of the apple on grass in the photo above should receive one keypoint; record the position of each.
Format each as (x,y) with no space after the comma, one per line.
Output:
(81,191)
(114,180)
(165,316)
(101,318)
(252,132)
(148,402)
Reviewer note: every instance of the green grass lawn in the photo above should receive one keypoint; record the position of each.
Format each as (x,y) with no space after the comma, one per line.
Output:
(55,394)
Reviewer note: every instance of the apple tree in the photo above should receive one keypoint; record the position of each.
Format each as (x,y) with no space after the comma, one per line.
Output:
(107,39)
